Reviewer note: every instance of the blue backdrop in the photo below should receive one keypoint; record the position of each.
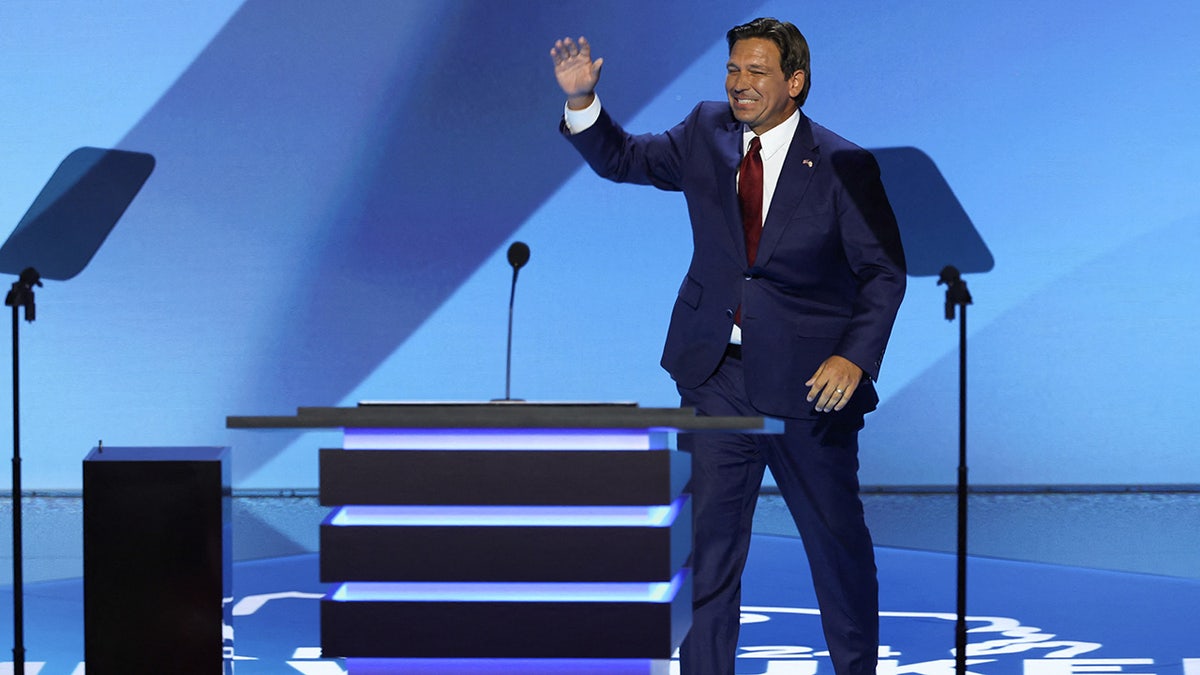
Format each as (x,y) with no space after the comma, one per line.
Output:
(337,184)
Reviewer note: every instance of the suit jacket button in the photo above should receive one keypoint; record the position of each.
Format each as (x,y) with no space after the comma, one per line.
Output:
(729,313)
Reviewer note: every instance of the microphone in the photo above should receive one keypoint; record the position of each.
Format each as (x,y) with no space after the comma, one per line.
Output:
(518,255)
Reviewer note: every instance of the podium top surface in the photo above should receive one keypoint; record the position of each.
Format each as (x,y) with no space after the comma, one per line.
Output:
(505,415)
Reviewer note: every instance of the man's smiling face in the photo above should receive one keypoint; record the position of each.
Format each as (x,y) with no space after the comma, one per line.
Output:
(760,95)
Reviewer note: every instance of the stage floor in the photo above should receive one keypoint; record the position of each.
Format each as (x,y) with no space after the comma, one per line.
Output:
(1029,618)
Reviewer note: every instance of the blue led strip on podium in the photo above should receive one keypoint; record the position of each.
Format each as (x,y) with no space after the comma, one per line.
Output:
(505,439)
(484,538)
(472,591)
(507,667)
(575,516)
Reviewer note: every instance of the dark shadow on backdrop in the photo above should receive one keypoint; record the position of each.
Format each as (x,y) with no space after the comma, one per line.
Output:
(934,227)
(471,150)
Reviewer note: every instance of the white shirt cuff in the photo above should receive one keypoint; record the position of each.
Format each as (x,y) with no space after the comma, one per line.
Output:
(581,120)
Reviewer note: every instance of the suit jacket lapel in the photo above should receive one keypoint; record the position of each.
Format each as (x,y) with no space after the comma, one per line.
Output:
(798,168)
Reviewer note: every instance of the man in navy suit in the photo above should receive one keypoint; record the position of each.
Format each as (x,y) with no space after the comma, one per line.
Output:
(787,317)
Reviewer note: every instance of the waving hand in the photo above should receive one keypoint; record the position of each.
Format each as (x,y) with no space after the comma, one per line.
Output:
(575,70)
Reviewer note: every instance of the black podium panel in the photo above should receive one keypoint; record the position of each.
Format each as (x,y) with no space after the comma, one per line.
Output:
(500,630)
(156,560)
(508,477)
(492,553)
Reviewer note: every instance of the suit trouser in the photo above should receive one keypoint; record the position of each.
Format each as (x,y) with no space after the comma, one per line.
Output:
(815,465)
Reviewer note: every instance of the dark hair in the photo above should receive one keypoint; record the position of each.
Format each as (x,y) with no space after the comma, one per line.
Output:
(793,48)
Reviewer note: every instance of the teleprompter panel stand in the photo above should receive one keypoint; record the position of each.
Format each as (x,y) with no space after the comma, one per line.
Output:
(57,237)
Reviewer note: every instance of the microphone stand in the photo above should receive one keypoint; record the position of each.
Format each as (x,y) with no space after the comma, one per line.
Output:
(518,255)
(21,295)
(512,296)
(958,295)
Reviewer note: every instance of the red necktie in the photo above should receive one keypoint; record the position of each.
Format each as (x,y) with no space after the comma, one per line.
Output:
(750,195)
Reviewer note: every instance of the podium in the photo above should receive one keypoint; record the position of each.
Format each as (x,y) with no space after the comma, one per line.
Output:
(505,537)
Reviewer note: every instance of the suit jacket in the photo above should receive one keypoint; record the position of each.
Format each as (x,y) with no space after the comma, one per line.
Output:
(829,274)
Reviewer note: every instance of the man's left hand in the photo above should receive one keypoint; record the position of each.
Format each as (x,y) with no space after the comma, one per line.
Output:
(834,383)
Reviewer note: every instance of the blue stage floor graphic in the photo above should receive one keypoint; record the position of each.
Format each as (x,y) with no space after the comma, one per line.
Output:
(1024,618)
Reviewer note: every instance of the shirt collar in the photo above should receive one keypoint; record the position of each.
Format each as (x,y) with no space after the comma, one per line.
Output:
(776,139)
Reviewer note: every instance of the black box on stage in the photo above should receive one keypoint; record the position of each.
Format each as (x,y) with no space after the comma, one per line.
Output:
(156,560)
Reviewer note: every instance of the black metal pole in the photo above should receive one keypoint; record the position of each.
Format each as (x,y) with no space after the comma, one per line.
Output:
(957,295)
(960,642)
(21,295)
(18,564)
